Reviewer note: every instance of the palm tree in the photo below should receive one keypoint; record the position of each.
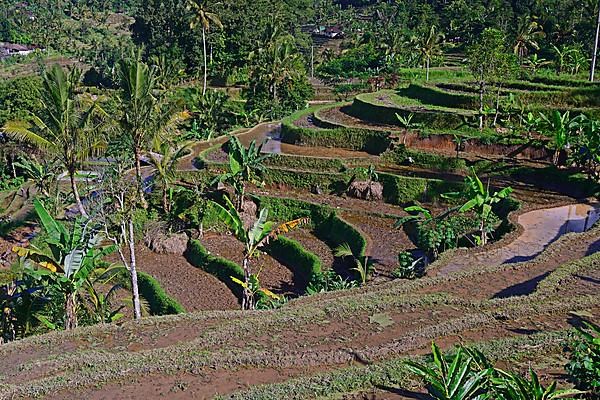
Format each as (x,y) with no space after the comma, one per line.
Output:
(69,259)
(430,45)
(528,32)
(146,117)
(65,130)
(164,160)
(204,18)
(245,165)
(261,232)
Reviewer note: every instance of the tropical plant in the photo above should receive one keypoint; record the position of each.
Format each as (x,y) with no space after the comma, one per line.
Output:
(586,146)
(456,380)
(68,127)
(258,235)
(42,174)
(363,265)
(561,57)
(560,127)
(146,117)
(70,258)
(245,166)
(429,45)
(328,281)
(253,287)
(164,161)
(528,33)
(584,363)
(480,200)
(201,16)
(408,266)
(511,386)
(406,122)
(535,62)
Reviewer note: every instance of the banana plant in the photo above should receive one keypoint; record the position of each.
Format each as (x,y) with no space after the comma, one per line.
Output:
(68,261)
(258,235)
(456,380)
(511,386)
(254,287)
(559,127)
(406,122)
(42,174)
(245,165)
(363,264)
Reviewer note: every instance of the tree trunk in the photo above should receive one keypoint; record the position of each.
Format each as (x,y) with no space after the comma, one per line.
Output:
(76,194)
(556,157)
(595,53)
(497,105)
(70,311)
(165,201)
(139,178)
(483,233)
(247,298)
(205,63)
(481,90)
(427,71)
(132,269)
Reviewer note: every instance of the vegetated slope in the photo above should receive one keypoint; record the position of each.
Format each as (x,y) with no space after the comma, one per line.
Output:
(203,354)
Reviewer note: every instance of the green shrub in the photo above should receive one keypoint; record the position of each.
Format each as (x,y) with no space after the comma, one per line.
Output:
(290,252)
(584,365)
(329,281)
(408,267)
(400,155)
(160,302)
(305,163)
(370,141)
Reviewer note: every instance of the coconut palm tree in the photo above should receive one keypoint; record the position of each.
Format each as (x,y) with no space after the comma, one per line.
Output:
(67,129)
(164,160)
(146,116)
(430,45)
(204,18)
(528,32)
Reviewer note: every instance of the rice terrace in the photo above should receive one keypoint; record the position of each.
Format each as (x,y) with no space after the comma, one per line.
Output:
(300,199)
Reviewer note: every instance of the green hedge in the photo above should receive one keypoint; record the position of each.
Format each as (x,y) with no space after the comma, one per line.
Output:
(335,231)
(305,163)
(399,189)
(328,226)
(435,96)
(220,267)
(372,142)
(289,252)
(432,118)
(160,302)
(424,159)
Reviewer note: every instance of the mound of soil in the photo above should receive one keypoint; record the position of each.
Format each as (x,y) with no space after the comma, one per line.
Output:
(175,243)
(366,190)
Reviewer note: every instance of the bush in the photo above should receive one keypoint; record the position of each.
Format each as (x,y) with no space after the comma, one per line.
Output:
(329,281)
(408,267)
(584,366)
(160,302)
(290,252)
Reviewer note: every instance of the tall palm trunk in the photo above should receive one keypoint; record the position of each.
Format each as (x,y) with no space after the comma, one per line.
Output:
(205,63)
(70,311)
(133,271)
(139,178)
(76,193)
